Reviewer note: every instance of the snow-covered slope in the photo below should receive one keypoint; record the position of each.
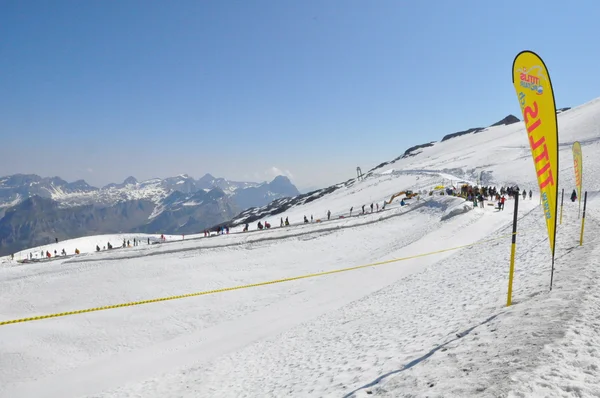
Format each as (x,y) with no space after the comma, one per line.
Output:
(434,325)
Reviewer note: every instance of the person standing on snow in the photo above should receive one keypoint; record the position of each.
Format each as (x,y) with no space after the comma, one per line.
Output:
(530,194)
(328,215)
(574,196)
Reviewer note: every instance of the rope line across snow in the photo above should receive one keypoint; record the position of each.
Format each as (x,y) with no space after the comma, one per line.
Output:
(227,289)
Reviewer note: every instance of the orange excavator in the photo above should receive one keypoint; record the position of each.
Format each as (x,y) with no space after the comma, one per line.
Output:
(409,195)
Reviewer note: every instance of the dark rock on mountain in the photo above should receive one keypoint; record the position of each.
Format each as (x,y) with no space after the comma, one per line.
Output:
(186,214)
(128,181)
(263,194)
(205,182)
(510,119)
(458,134)
(412,151)
(182,183)
(80,186)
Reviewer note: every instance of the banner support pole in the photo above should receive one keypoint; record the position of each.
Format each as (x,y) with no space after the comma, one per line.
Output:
(562,198)
(512,252)
(583,220)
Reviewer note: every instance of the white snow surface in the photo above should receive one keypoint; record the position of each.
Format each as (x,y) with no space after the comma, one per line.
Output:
(433,325)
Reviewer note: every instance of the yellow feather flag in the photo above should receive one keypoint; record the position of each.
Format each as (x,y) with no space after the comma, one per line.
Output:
(536,98)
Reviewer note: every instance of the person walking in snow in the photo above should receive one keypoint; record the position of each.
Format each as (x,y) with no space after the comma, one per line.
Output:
(363,209)
(524,194)
(328,215)
(574,196)
(281,222)
(371,207)
(351,211)
(502,199)
(530,194)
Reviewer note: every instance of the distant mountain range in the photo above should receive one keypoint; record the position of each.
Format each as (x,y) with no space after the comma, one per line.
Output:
(36,210)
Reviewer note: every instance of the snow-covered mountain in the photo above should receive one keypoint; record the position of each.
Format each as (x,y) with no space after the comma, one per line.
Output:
(408,301)
(16,188)
(177,204)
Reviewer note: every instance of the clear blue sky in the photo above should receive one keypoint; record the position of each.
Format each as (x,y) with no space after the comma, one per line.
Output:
(105,89)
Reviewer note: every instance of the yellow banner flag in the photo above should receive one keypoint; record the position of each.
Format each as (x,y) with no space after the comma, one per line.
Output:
(578,164)
(536,98)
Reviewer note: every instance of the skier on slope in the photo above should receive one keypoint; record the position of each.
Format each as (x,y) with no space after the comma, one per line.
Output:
(574,196)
